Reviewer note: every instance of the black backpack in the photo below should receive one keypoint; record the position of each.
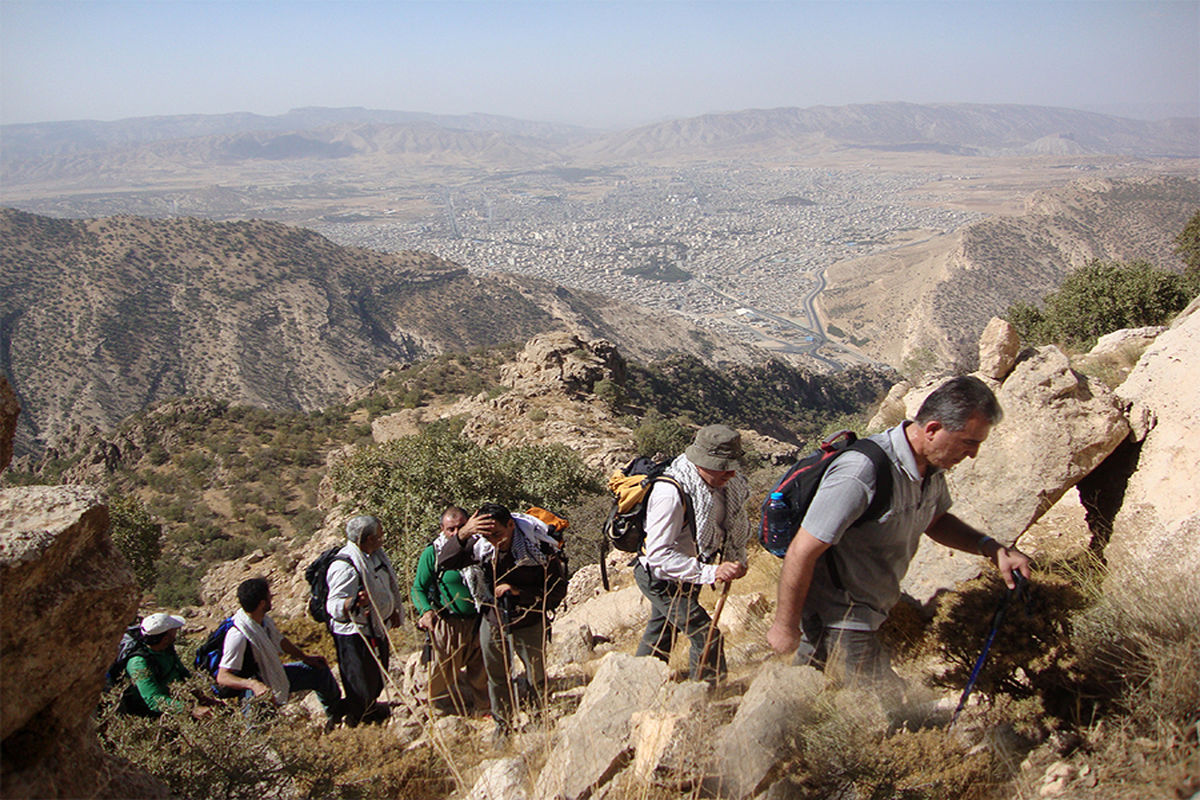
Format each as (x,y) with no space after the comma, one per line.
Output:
(131,642)
(781,516)
(318,582)
(625,526)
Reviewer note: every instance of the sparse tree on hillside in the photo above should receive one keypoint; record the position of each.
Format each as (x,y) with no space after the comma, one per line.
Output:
(1187,247)
(137,536)
(408,482)
(1099,298)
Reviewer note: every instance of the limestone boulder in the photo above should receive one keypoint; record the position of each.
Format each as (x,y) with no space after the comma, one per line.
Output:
(1137,339)
(671,741)
(892,411)
(780,699)
(502,779)
(1157,520)
(1057,427)
(9,411)
(594,743)
(998,348)
(608,614)
(66,595)
(563,362)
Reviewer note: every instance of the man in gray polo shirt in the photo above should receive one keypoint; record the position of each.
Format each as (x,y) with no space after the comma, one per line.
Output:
(835,605)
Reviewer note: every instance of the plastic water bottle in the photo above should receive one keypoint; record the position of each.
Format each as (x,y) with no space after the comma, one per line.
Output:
(779,524)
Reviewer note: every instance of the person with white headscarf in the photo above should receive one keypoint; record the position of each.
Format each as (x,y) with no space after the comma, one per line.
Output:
(364,600)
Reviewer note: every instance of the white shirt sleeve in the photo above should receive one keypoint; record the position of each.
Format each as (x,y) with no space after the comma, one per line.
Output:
(234,650)
(343,584)
(670,546)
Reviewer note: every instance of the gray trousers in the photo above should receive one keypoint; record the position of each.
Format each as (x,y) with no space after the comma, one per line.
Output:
(852,657)
(675,608)
(526,643)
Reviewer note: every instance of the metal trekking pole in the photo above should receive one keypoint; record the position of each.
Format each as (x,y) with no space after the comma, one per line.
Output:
(1021,591)
(712,628)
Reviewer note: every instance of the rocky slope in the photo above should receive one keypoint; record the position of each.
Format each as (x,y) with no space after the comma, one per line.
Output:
(99,318)
(929,302)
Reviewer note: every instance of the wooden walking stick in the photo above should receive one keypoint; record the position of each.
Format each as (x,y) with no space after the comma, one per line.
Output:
(712,629)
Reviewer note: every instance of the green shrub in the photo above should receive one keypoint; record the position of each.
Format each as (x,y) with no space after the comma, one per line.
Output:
(1099,298)
(408,482)
(658,434)
(137,536)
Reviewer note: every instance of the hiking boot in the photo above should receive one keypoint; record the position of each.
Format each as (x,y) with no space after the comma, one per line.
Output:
(500,735)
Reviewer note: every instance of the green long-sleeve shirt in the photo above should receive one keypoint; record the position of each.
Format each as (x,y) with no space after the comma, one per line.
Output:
(449,594)
(151,671)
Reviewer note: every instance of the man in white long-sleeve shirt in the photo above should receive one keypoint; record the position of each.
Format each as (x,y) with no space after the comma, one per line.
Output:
(364,600)
(692,542)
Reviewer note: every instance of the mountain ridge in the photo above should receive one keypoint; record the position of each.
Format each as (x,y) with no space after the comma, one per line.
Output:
(101,317)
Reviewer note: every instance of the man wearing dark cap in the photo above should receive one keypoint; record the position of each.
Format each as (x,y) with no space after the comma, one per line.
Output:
(684,551)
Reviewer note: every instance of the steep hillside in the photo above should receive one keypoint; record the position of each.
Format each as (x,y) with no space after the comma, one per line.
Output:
(927,303)
(100,318)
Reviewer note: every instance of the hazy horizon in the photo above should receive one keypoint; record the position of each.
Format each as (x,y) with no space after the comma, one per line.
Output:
(589,63)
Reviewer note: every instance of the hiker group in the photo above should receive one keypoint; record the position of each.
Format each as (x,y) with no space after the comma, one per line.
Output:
(846,522)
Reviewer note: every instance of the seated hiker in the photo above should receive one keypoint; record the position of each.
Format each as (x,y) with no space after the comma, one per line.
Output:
(696,534)
(364,600)
(258,670)
(152,665)
(524,578)
(449,617)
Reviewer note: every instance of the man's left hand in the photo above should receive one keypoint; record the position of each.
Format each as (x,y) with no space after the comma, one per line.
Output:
(1009,560)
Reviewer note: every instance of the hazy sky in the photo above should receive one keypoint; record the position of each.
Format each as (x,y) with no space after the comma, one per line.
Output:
(594,63)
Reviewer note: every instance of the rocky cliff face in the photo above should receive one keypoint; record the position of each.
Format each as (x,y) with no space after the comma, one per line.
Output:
(1157,530)
(66,595)
(931,301)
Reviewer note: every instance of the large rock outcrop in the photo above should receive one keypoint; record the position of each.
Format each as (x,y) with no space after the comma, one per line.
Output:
(1158,526)
(590,744)
(1058,426)
(66,594)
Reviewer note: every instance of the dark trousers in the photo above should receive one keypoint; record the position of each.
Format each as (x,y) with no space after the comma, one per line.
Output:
(361,678)
(851,657)
(675,608)
(499,646)
(304,678)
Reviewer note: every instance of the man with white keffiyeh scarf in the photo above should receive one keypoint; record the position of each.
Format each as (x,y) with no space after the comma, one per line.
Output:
(525,578)
(364,600)
(681,555)
(251,664)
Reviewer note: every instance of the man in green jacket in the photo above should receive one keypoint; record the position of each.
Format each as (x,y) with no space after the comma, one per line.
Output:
(153,666)
(448,614)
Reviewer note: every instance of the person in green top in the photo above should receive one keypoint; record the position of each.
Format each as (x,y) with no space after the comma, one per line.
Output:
(447,613)
(153,665)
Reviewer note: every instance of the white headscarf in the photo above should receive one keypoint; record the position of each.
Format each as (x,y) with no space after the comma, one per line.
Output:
(265,640)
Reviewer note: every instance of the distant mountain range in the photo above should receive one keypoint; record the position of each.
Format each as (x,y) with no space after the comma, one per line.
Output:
(77,150)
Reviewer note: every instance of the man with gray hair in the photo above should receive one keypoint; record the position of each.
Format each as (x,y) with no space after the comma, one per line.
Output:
(832,599)
(364,600)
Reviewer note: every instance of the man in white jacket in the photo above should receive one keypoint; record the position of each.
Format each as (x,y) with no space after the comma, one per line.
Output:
(364,600)
(696,532)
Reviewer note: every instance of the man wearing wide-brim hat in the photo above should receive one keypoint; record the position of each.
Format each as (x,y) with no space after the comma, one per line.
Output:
(696,531)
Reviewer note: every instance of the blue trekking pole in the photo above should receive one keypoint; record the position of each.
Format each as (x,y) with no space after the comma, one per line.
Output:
(1022,592)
